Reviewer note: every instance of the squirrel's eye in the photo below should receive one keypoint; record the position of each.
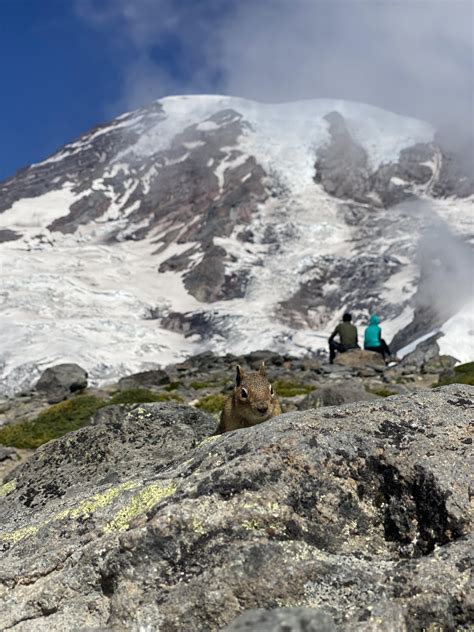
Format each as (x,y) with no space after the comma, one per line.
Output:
(243,393)
(271,389)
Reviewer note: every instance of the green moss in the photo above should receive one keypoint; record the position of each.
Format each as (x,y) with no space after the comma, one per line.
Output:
(54,422)
(463,374)
(468,367)
(142,396)
(212,403)
(403,380)
(173,386)
(197,386)
(59,419)
(168,397)
(287,388)
(135,396)
(380,391)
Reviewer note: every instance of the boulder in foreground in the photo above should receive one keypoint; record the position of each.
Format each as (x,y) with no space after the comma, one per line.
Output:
(357,514)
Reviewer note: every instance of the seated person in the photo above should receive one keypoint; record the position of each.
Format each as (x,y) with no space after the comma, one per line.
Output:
(347,333)
(373,340)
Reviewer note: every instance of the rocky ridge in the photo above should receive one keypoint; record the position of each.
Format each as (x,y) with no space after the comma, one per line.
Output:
(300,381)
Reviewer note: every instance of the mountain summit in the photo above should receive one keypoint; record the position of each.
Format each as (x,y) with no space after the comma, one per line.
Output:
(209,222)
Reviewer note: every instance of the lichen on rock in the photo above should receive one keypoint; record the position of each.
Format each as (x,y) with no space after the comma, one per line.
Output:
(358,511)
(139,504)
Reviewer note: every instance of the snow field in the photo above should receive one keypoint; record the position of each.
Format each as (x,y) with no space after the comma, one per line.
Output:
(80,300)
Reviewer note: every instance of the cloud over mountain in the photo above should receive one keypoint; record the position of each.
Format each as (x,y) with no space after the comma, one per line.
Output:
(414,58)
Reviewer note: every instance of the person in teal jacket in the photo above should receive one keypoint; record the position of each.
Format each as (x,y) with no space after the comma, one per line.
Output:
(373,340)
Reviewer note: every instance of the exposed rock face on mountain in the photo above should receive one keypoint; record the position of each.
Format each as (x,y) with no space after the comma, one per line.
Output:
(218,223)
(358,514)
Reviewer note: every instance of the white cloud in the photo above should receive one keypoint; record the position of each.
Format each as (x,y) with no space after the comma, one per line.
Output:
(415,57)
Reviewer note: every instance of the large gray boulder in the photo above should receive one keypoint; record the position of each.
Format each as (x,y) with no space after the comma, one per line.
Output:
(58,382)
(425,351)
(336,394)
(147,437)
(144,379)
(360,513)
(360,358)
(283,620)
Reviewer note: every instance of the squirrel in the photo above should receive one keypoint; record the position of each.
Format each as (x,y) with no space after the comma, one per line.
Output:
(252,401)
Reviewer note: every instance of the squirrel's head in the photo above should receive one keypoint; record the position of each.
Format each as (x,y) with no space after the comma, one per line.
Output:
(253,394)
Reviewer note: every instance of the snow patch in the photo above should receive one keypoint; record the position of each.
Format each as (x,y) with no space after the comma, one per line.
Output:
(30,215)
(458,338)
(398,181)
(401,285)
(284,137)
(194,144)
(207,126)
(228,163)
(168,161)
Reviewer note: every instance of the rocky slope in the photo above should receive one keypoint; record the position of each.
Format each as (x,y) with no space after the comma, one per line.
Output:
(215,223)
(351,517)
(205,379)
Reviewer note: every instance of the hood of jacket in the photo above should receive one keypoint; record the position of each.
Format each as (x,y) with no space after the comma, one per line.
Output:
(374,320)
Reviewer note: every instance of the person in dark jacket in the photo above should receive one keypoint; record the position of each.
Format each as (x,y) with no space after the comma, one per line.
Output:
(347,333)
(373,340)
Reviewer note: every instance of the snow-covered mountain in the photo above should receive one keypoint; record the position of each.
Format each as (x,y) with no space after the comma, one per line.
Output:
(216,223)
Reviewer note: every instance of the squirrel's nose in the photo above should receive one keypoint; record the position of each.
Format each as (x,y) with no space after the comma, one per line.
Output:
(262,408)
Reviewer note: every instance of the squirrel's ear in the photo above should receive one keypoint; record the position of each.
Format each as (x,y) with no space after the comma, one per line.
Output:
(263,369)
(239,375)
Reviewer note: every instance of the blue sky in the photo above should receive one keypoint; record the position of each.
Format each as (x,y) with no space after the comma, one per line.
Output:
(68,65)
(56,76)
(62,74)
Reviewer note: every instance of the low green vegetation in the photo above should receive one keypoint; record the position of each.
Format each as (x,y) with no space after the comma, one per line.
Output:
(141,396)
(197,386)
(463,374)
(168,397)
(59,419)
(54,422)
(380,391)
(212,403)
(173,386)
(287,388)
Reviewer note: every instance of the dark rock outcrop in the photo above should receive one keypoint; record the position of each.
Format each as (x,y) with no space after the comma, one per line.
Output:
(144,379)
(341,166)
(9,235)
(343,170)
(57,382)
(425,357)
(337,394)
(456,174)
(359,510)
